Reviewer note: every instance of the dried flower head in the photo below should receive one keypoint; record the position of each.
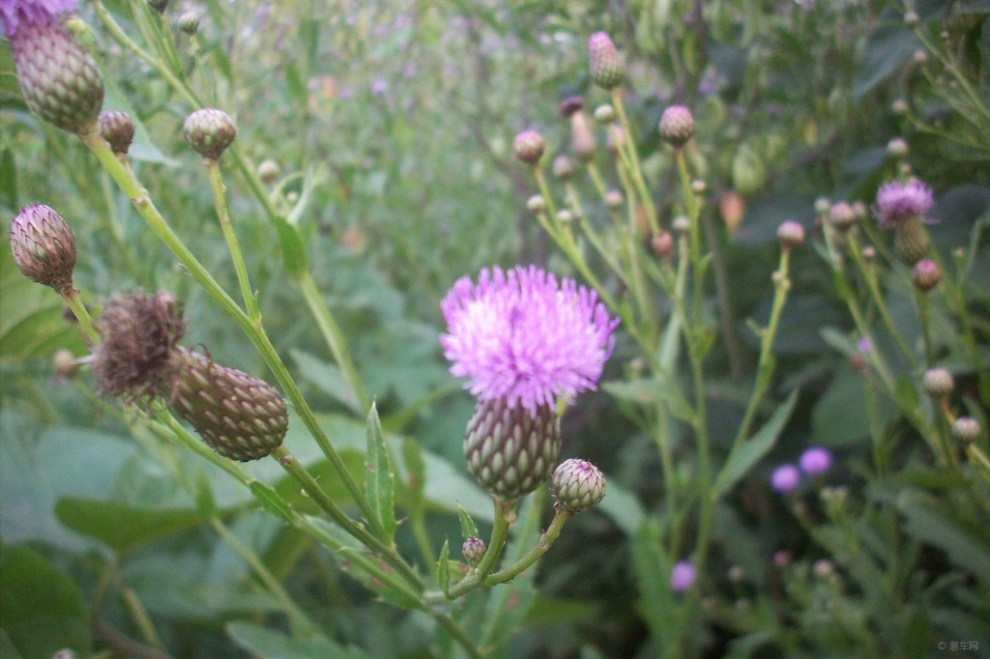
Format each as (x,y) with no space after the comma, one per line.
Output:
(577,485)
(523,337)
(138,333)
(604,61)
(60,80)
(570,105)
(44,247)
(117,129)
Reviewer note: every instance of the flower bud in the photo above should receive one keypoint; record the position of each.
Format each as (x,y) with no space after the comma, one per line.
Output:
(824,568)
(209,132)
(564,216)
(605,114)
(60,80)
(897,148)
(44,247)
(189,23)
(966,429)
(698,186)
(117,129)
(614,200)
(582,139)
(536,204)
(562,167)
(159,5)
(64,362)
(842,216)
(822,205)
(577,485)
(529,146)
(474,550)
(911,241)
(268,171)
(925,275)
(676,125)
(790,234)
(604,61)
(662,244)
(681,224)
(899,106)
(938,382)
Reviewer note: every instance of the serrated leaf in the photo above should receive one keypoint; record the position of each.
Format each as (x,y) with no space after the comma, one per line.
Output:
(443,568)
(752,450)
(42,609)
(468,528)
(379,480)
(273,502)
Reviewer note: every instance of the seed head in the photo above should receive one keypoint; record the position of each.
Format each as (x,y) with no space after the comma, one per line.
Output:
(938,382)
(676,125)
(604,61)
(925,275)
(790,234)
(577,485)
(529,146)
(209,131)
(60,80)
(43,246)
(117,129)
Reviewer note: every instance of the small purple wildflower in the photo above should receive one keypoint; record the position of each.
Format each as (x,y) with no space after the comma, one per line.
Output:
(898,201)
(682,576)
(14,13)
(815,460)
(864,345)
(522,337)
(785,478)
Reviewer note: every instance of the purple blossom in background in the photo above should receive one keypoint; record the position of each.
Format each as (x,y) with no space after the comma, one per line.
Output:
(898,201)
(14,13)
(864,346)
(521,336)
(815,460)
(785,478)
(682,576)
(379,86)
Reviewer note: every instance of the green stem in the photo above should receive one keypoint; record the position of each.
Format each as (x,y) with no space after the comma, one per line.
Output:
(220,203)
(334,337)
(546,541)
(635,169)
(504,511)
(924,317)
(79,310)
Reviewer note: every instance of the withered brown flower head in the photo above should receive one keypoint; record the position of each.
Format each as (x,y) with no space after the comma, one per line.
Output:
(570,105)
(138,334)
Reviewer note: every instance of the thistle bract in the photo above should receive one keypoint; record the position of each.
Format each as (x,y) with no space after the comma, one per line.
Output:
(209,132)
(578,485)
(44,247)
(604,62)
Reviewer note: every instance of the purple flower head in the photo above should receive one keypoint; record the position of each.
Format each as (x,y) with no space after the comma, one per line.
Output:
(785,478)
(864,345)
(682,576)
(815,460)
(14,13)
(521,336)
(898,201)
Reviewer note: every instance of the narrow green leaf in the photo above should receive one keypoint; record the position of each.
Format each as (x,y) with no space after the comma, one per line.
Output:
(443,568)
(752,450)
(327,377)
(42,609)
(622,506)
(468,528)
(273,502)
(934,524)
(8,182)
(650,390)
(271,644)
(380,478)
(293,247)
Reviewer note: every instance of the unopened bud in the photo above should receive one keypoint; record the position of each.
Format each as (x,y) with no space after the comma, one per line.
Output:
(117,129)
(698,186)
(44,247)
(899,106)
(159,5)
(64,362)
(605,114)
(209,132)
(842,216)
(577,485)
(938,382)
(869,252)
(911,19)
(536,204)
(822,205)
(564,216)
(189,23)
(676,125)
(474,550)
(966,429)
(897,148)
(925,275)
(681,224)
(268,171)
(614,200)
(790,234)
(662,244)
(562,167)
(604,61)
(529,146)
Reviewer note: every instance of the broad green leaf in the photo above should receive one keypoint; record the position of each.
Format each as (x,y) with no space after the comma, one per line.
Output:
(379,481)
(886,52)
(622,506)
(931,523)
(412,457)
(327,377)
(41,608)
(841,416)
(750,452)
(123,527)
(468,528)
(443,568)
(271,644)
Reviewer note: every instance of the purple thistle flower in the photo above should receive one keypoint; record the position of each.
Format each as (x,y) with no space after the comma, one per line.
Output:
(682,576)
(14,13)
(815,460)
(785,478)
(522,337)
(898,201)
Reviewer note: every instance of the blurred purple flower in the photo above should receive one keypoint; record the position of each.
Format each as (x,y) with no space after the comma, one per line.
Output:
(379,86)
(13,13)
(682,576)
(522,337)
(898,201)
(815,460)
(864,346)
(785,478)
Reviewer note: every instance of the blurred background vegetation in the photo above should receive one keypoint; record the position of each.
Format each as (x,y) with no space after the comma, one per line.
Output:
(392,125)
